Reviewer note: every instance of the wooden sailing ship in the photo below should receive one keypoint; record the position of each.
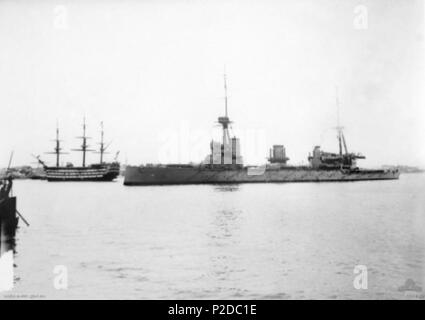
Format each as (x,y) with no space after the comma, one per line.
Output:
(101,171)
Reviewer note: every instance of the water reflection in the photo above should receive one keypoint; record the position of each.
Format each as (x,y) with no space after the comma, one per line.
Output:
(8,226)
(222,239)
(227,187)
(224,225)
(7,265)
(7,245)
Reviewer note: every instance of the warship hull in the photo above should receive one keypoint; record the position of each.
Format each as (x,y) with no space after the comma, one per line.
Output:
(104,172)
(201,175)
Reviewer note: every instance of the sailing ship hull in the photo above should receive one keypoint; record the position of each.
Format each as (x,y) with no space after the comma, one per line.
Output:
(163,175)
(8,218)
(104,172)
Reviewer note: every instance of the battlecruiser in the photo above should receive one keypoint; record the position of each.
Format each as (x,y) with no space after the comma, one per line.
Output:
(8,217)
(224,165)
(101,171)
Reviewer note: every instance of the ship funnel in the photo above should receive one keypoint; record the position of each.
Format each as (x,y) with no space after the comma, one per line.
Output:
(278,154)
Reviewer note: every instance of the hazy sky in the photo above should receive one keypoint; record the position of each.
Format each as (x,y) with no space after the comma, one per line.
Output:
(153,73)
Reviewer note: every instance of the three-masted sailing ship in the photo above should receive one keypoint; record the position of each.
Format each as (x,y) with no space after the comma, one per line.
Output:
(101,171)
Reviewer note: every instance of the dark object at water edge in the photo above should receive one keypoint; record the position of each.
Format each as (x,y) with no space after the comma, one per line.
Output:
(8,217)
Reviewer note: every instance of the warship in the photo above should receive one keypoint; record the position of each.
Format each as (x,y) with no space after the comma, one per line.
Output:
(224,165)
(101,171)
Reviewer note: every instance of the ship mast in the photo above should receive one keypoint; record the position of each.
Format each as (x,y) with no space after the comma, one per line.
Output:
(84,146)
(225,93)
(57,149)
(339,128)
(225,121)
(102,148)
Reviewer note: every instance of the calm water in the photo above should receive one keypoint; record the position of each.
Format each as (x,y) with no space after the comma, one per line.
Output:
(260,241)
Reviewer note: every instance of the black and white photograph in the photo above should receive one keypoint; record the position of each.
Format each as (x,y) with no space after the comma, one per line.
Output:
(223,150)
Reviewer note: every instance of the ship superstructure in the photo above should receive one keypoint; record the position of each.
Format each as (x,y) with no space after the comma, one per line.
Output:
(225,154)
(343,159)
(101,171)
